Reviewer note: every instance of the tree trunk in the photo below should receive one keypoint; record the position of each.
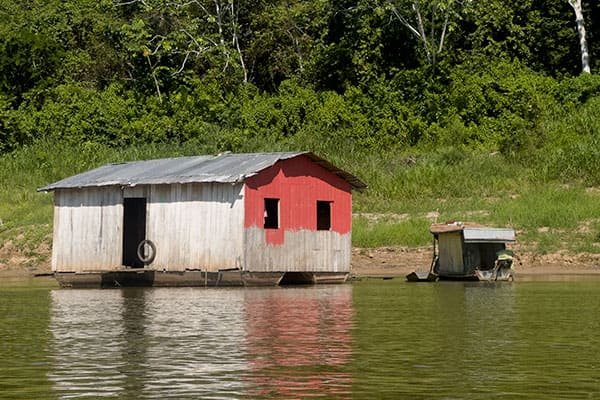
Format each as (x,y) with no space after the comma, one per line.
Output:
(579,21)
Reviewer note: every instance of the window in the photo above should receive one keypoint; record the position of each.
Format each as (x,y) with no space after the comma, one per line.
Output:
(323,215)
(271,213)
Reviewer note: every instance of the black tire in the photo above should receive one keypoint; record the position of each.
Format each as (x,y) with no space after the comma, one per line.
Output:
(146,258)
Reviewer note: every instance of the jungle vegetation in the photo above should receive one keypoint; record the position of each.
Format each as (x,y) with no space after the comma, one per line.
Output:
(483,110)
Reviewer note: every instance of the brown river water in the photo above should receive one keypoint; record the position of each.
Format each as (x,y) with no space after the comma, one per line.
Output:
(527,339)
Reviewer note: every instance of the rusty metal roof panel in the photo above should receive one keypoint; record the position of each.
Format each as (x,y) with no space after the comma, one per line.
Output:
(223,168)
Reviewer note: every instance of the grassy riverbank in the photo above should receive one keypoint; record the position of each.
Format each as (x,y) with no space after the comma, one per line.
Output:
(406,193)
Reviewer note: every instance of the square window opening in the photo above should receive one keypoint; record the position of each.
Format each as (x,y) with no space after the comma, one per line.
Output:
(323,215)
(271,214)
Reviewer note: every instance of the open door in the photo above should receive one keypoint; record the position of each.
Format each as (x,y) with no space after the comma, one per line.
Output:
(134,230)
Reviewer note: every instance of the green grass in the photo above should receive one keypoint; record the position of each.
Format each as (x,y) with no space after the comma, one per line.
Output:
(547,219)
(410,232)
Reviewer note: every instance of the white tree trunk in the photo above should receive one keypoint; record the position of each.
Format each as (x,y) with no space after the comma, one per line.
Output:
(433,44)
(579,21)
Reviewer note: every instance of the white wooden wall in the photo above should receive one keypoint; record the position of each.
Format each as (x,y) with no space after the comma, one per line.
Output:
(303,250)
(88,227)
(193,226)
(196,226)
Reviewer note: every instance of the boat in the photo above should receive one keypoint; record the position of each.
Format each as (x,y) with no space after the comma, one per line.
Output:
(421,276)
(469,252)
(424,276)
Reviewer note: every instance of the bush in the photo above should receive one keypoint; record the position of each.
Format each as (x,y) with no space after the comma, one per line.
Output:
(503,99)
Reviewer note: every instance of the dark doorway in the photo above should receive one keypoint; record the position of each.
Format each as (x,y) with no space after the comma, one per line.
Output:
(134,230)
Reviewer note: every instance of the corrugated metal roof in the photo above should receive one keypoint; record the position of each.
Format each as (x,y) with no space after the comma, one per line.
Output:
(454,226)
(485,235)
(223,168)
(475,233)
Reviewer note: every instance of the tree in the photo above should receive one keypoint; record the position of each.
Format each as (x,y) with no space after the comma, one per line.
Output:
(180,37)
(429,21)
(284,36)
(580,22)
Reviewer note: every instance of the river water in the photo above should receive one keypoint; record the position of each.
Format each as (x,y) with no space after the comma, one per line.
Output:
(369,339)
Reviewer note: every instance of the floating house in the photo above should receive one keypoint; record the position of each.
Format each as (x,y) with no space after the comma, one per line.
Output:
(472,252)
(468,251)
(231,219)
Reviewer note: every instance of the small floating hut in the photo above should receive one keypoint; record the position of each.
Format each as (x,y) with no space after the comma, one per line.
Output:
(468,251)
(230,219)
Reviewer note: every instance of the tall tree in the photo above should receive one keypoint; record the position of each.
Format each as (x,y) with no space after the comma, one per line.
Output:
(580,22)
(429,21)
(284,35)
(539,33)
(188,36)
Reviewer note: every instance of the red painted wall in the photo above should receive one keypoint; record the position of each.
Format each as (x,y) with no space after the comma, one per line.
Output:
(298,183)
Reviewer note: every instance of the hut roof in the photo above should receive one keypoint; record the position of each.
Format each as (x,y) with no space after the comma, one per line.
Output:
(452,226)
(223,168)
(475,233)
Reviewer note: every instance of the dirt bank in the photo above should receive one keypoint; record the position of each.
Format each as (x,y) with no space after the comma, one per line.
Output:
(376,262)
(399,261)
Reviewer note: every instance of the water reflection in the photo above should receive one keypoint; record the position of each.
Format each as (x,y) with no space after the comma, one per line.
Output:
(24,317)
(299,342)
(557,350)
(87,342)
(485,317)
(374,339)
(477,341)
(195,343)
(198,343)
(433,340)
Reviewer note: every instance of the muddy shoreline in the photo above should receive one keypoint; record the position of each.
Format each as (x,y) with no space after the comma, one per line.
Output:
(387,262)
(399,261)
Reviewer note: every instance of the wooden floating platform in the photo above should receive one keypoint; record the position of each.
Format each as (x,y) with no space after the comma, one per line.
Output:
(483,276)
(191,278)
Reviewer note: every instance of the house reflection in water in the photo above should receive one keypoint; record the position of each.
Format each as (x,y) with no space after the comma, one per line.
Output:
(87,343)
(198,343)
(299,343)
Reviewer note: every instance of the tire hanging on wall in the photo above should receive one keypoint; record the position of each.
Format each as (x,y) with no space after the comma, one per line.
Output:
(146,258)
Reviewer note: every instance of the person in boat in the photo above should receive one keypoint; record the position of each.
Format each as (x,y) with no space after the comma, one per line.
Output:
(504,259)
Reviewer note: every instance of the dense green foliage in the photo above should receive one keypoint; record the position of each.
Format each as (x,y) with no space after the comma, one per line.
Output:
(488,104)
(223,72)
